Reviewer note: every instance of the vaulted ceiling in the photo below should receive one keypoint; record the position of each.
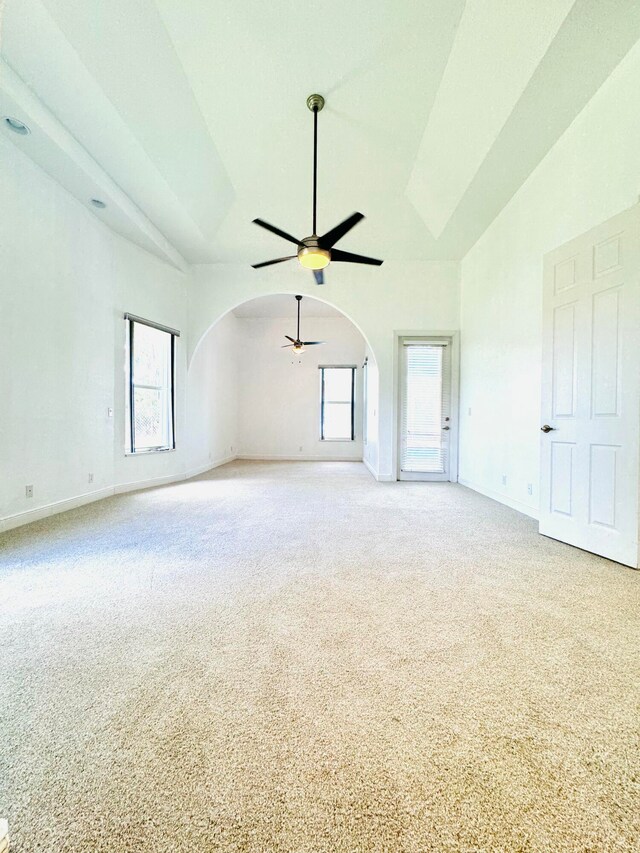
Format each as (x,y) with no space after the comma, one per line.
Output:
(188,117)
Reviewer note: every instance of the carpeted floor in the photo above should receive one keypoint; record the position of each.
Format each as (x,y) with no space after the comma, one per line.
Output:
(292,657)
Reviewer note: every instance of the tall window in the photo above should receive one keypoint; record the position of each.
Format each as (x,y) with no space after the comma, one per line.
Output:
(150,397)
(337,403)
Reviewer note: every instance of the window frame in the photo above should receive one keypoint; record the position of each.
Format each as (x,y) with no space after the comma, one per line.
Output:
(352,368)
(130,447)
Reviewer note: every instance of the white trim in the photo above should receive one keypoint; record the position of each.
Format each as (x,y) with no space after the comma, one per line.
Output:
(171,478)
(264,457)
(519,506)
(29,515)
(201,469)
(381,478)
(136,486)
(452,338)
(370,468)
(19,519)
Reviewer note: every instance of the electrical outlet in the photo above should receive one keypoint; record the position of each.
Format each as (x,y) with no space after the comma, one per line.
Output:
(91,478)
(504,479)
(109,412)
(469,410)
(300,448)
(28,491)
(529,488)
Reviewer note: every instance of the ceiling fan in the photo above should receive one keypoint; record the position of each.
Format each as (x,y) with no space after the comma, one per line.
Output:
(315,253)
(297,344)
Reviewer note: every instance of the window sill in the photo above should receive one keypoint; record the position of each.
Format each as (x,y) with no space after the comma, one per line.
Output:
(149,451)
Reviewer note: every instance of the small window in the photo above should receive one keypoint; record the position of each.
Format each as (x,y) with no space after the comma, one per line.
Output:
(151,396)
(337,403)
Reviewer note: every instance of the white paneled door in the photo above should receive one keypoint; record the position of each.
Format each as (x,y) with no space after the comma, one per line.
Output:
(425,409)
(591,391)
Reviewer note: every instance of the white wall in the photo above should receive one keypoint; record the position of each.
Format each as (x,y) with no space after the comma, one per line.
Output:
(412,297)
(279,412)
(212,397)
(66,280)
(592,173)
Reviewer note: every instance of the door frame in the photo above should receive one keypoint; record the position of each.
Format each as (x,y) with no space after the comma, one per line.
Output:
(454,337)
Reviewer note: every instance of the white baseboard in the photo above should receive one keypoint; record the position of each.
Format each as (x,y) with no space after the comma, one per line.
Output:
(263,457)
(209,466)
(30,515)
(138,485)
(121,488)
(370,468)
(381,478)
(519,506)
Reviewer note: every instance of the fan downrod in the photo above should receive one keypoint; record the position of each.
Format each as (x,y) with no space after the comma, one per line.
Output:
(315,102)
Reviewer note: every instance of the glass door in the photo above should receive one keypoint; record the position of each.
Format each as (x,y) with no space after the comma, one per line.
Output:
(425,409)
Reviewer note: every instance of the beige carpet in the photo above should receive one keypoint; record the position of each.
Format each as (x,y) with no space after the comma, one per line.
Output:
(292,657)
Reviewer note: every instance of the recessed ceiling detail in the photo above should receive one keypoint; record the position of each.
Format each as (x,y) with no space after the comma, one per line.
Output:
(496,50)
(191,112)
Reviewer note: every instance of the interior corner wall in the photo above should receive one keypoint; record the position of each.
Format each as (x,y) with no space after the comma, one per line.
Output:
(66,281)
(212,398)
(591,174)
(280,392)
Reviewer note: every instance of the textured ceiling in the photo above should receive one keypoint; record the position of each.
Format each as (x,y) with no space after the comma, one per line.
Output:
(189,116)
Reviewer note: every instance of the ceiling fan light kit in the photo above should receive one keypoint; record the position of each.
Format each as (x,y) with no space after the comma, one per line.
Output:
(314,257)
(315,253)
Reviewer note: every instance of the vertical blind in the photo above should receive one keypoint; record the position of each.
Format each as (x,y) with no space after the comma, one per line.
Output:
(425,405)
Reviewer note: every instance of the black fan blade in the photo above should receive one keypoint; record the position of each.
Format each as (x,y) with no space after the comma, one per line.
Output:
(319,276)
(277,231)
(293,340)
(331,237)
(349,258)
(286,346)
(313,343)
(276,261)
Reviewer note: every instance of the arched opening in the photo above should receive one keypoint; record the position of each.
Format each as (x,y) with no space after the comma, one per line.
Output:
(200,339)
(249,395)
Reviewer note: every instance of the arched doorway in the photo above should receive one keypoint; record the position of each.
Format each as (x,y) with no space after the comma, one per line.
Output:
(250,396)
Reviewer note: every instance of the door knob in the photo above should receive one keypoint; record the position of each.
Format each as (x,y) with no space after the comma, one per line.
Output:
(446,427)
(547,428)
